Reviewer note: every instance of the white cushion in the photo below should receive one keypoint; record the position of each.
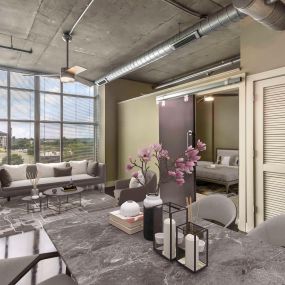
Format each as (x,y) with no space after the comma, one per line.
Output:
(225,160)
(46,169)
(78,167)
(17,172)
(134,183)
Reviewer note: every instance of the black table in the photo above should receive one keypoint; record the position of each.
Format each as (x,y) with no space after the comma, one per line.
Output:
(98,253)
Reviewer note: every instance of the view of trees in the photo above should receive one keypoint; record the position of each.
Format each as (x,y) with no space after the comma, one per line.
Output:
(15,159)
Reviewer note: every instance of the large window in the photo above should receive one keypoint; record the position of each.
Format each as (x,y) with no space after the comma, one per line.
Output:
(44,120)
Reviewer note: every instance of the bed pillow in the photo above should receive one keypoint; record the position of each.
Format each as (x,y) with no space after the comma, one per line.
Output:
(17,172)
(78,167)
(225,160)
(46,169)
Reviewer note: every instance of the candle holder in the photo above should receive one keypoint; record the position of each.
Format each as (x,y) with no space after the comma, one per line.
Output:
(192,253)
(166,217)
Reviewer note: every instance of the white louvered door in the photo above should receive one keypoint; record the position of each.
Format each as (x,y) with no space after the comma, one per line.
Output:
(269,148)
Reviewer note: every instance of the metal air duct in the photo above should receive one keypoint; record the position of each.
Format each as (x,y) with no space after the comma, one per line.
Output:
(220,19)
(268,13)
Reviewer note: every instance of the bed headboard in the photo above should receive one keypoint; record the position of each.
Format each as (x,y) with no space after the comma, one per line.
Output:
(226,152)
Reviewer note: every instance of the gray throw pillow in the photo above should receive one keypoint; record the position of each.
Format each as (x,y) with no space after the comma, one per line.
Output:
(5,178)
(92,168)
(60,171)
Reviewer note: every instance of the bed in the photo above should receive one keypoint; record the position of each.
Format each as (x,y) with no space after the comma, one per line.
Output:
(219,172)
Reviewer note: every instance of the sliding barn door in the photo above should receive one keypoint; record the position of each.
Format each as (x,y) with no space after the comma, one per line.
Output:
(176,132)
(269,148)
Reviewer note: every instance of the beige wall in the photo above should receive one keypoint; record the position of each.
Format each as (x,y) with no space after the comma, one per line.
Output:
(138,127)
(116,92)
(217,124)
(261,48)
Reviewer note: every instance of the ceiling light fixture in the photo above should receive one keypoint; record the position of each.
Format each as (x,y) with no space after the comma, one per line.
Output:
(163,103)
(209,98)
(66,77)
(186,98)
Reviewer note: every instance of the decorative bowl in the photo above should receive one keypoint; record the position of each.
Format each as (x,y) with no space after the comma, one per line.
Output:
(130,209)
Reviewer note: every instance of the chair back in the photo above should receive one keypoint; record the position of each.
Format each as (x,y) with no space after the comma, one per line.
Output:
(271,231)
(215,208)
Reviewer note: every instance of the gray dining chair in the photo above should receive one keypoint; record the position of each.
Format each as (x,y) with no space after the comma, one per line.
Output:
(13,269)
(216,208)
(271,231)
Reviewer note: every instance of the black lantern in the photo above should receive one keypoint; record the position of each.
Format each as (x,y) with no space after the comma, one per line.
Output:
(166,217)
(192,253)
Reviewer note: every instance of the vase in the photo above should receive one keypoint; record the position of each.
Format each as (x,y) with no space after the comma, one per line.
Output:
(149,203)
(34,191)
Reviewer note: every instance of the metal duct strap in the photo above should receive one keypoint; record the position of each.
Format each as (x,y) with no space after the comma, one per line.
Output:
(270,15)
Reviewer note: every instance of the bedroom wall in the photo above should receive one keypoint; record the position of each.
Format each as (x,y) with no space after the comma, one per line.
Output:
(217,124)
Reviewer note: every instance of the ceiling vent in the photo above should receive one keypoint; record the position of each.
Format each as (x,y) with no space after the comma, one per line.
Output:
(101,82)
(186,40)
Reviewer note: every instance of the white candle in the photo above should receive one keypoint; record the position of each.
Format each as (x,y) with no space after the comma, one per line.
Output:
(190,251)
(166,243)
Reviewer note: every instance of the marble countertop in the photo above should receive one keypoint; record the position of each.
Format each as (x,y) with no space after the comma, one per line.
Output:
(98,253)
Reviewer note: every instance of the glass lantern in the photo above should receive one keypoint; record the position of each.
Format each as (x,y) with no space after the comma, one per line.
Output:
(166,217)
(192,253)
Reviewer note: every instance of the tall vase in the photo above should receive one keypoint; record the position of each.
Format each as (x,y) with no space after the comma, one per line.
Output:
(149,202)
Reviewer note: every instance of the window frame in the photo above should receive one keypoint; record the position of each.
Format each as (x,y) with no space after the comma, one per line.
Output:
(36,120)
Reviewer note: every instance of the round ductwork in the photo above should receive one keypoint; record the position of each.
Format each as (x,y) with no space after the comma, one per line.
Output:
(270,15)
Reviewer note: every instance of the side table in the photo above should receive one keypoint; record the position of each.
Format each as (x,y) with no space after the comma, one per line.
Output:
(34,205)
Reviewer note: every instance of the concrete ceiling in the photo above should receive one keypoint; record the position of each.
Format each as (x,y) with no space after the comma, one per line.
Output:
(111,33)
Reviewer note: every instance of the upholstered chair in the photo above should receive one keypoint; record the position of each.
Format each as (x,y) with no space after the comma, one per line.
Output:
(123,193)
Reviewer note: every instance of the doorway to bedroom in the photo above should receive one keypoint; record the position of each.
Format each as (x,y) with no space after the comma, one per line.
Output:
(217,124)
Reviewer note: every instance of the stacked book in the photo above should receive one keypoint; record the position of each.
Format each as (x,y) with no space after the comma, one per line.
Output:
(129,225)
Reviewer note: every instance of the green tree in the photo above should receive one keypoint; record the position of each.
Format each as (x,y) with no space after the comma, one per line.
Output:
(15,159)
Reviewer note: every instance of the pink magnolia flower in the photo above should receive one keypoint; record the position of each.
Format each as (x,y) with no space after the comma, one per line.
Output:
(201,146)
(156,147)
(192,154)
(163,154)
(135,174)
(145,154)
(180,181)
(130,159)
(129,166)
(172,173)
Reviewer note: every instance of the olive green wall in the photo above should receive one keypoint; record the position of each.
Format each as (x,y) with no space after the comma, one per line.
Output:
(204,128)
(217,124)
(114,93)
(138,127)
(261,48)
